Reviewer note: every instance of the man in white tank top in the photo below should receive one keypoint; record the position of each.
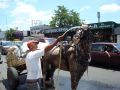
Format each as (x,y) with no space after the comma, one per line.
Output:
(33,63)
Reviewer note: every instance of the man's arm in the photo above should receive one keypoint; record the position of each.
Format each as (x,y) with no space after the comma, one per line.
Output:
(108,53)
(49,47)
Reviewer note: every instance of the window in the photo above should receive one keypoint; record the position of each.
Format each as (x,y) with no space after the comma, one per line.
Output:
(97,47)
(115,50)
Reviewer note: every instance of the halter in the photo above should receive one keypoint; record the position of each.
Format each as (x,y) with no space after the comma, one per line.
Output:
(82,37)
(80,32)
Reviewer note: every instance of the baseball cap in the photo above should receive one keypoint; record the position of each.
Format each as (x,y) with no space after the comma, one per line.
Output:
(32,41)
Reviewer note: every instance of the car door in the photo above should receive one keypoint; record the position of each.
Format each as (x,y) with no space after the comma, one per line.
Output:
(115,58)
(98,56)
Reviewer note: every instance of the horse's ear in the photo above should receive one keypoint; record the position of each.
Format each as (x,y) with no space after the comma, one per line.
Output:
(87,35)
(90,35)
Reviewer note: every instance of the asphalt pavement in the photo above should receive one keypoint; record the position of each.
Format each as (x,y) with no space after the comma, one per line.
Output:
(3,75)
(93,79)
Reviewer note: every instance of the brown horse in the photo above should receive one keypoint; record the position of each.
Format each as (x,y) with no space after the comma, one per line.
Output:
(73,57)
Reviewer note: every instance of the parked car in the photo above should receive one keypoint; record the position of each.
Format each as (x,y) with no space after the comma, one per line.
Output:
(109,59)
(4,46)
(17,43)
(1,58)
(42,44)
(47,40)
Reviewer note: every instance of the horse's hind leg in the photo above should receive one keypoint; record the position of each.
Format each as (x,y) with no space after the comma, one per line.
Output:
(49,76)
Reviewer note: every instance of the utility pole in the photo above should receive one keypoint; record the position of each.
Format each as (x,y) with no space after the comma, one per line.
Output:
(98,16)
(6,23)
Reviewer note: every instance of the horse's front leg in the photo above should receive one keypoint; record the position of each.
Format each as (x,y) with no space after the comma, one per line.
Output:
(74,80)
(76,75)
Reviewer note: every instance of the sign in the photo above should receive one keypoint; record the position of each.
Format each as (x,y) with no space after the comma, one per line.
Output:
(102,25)
(55,30)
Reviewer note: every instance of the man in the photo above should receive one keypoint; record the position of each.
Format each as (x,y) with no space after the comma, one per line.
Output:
(33,63)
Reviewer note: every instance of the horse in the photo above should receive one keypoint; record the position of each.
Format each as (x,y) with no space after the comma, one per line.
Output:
(74,57)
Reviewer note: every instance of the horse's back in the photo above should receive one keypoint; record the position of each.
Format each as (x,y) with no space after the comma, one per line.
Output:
(55,51)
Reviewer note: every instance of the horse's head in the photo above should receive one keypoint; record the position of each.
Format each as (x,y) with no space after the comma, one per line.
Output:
(82,43)
(82,33)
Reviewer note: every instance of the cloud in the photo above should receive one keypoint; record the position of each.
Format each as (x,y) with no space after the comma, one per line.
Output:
(3,4)
(86,21)
(84,8)
(25,13)
(110,8)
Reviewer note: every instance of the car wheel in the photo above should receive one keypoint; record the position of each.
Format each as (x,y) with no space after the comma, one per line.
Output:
(12,76)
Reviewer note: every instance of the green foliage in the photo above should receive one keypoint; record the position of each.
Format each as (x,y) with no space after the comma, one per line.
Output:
(65,18)
(9,34)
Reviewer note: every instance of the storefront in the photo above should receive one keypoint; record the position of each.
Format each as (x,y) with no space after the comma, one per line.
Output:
(105,31)
(54,32)
(102,32)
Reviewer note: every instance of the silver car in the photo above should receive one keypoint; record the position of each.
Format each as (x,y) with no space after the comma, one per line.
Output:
(4,46)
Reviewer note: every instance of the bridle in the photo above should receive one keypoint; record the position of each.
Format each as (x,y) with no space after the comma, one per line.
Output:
(80,36)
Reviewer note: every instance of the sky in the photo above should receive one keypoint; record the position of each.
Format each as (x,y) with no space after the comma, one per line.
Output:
(22,14)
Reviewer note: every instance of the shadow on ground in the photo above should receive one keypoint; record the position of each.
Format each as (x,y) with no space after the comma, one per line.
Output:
(21,85)
(5,83)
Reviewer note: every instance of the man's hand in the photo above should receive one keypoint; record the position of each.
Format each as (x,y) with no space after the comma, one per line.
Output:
(60,38)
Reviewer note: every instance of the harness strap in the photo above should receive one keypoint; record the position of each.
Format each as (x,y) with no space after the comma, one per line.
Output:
(59,65)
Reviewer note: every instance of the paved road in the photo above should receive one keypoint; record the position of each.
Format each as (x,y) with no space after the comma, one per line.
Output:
(3,75)
(95,79)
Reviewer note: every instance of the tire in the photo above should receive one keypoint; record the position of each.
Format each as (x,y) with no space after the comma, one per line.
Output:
(12,76)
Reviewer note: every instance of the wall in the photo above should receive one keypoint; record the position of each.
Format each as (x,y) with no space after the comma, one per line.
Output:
(2,35)
(118,38)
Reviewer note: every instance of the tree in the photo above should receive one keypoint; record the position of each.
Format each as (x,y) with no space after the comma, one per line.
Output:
(9,34)
(74,19)
(65,18)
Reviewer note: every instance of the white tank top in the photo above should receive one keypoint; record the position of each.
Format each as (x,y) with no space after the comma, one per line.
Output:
(33,64)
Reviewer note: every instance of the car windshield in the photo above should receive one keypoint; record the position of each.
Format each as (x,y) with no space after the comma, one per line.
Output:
(117,45)
(17,43)
(7,43)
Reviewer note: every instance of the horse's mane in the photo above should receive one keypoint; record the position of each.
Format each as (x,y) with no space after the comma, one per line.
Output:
(86,41)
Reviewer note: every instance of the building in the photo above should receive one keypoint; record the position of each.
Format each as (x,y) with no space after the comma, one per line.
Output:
(2,35)
(102,32)
(36,30)
(105,31)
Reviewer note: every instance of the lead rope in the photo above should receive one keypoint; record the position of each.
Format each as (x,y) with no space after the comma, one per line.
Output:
(59,65)
(88,62)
